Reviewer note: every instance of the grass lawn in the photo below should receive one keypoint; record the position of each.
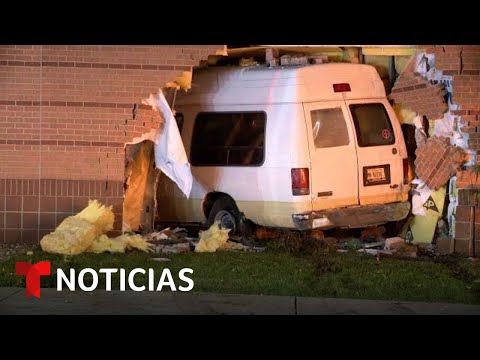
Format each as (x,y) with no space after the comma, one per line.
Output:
(277,272)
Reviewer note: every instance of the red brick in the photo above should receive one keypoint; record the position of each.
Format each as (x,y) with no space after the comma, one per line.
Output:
(463,231)
(30,220)
(59,217)
(13,203)
(64,204)
(463,213)
(79,203)
(13,220)
(47,221)
(47,204)
(30,237)
(463,247)
(13,236)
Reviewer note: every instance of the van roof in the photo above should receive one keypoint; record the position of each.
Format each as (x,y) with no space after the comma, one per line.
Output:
(293,84)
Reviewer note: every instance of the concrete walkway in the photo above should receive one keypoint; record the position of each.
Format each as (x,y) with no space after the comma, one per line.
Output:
(13,301)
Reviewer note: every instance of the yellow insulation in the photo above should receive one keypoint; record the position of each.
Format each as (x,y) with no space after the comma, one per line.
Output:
(119,244)
(84,232)
(404,114)
(212,239)
(76,233)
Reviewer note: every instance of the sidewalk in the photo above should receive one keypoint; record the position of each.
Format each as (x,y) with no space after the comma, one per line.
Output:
(13,301)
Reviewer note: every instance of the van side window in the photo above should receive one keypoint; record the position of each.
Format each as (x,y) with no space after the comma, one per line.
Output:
(372,125)
(228,139)
(329,128)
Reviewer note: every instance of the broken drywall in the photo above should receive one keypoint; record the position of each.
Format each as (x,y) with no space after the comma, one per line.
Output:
(420,134)
(420,195)
(170,155)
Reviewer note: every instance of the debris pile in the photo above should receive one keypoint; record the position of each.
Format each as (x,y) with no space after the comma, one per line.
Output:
(376,241)
(394,246)
(177,240)
(170,241)
(441,153)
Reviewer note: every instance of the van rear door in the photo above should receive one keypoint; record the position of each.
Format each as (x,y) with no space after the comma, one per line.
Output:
(334,172)
(378,139)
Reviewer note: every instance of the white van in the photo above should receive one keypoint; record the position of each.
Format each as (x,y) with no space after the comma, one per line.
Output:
(315,146)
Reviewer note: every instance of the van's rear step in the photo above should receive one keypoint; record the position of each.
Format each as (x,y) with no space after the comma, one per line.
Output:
(352,217)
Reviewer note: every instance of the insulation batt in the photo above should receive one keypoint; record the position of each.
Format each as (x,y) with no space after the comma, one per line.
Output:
(76,233)
(404,114)
(212,239)
(84,232)
(216,238)
(119,244)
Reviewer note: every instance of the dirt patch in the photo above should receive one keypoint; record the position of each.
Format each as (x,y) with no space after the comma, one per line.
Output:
(8,250)
(293,241)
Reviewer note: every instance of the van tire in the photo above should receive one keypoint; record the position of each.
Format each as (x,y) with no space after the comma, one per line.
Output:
(226,211)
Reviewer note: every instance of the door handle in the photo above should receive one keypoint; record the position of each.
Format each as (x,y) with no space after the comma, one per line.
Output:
(325,193)
(394,186)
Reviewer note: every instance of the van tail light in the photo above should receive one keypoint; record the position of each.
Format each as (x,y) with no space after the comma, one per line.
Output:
(341,87)
(300,181)
(405,171)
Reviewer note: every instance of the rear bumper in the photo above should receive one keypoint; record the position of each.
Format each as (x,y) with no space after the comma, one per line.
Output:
(352,217)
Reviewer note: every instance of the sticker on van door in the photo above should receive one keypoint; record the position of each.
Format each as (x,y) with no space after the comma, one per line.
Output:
(376,175)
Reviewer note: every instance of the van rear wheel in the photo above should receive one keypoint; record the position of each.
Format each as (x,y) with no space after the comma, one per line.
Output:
(226,212)
(226,220)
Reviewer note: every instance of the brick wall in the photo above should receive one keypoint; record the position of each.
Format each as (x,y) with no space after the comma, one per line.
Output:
(418,94)
(436,161)
(467,223)
(65,114)
(463,63)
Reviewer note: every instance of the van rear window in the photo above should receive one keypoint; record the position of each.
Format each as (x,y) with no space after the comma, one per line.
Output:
(372,125)
(329,128)
(228,139)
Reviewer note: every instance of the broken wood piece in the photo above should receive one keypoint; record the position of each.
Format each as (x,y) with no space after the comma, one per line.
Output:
(375,252)
(374,244)
(173,249)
